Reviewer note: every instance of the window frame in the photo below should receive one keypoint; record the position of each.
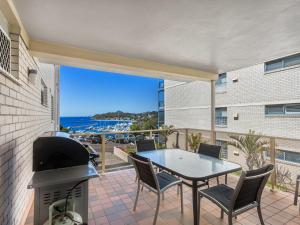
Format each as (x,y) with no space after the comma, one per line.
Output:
(283,63)
(44,94)
(283,157)
(284,110)
(225,124)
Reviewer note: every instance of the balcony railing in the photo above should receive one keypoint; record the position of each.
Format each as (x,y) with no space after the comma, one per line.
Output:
(283,177)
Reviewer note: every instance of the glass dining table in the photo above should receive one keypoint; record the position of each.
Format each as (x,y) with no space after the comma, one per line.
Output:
(191,166)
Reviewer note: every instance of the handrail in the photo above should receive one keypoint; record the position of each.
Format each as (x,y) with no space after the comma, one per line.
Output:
(178,129)
(185,132)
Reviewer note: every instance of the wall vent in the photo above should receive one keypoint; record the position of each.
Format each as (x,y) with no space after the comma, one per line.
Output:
(4,52)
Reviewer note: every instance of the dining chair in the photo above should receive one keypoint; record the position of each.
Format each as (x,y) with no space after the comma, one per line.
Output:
(145,145)
(212,151)
(245,196)
(155,182)
(296,195)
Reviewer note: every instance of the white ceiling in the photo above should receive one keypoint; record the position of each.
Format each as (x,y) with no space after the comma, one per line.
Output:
(211,35)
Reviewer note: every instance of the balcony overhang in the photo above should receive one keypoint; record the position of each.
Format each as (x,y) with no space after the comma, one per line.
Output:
(67,55)
(194,39)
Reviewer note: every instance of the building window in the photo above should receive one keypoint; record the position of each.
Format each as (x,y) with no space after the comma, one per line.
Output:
(289,61)
(161,99)
(224,148)
(161,103)
(283,109)
(221,117)
(4,53)
(52,108)
(161,84)
(43,93)
(284,155)
(221,83)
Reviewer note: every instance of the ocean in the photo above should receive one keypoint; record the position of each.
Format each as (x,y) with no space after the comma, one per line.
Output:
(88,125)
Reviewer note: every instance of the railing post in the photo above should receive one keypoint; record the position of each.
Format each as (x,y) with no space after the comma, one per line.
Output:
(103,153)
(150,134)
(273,161)
(186,139)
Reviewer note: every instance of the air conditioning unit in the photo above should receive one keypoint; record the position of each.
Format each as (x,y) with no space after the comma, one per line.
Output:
(4,52)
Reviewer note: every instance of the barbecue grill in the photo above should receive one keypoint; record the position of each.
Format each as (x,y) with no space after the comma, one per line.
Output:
(62,167)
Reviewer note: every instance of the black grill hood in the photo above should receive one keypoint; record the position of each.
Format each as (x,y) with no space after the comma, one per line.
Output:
(54,150)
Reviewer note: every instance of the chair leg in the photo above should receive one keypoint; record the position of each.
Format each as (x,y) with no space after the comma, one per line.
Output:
(229,218)
(226,178)
(222,213)
(199,208)
(157,209)
(260,215)
(181,197)
(296,193)
(218,182)
(137,195)
(208,183)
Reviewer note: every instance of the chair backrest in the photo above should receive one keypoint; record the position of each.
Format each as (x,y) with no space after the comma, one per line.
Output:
(144,170)
(145,145)
(250,186)
(210,150)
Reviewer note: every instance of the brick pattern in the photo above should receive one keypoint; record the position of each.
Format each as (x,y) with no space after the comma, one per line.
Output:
(111,199)
(22,119)
(188,104)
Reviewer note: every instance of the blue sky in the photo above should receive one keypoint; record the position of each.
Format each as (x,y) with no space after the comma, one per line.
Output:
(87,92)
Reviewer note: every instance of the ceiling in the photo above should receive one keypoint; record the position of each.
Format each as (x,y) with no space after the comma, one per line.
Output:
(211,35)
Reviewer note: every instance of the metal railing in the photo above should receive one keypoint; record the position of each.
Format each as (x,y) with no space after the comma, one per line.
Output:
(179,138)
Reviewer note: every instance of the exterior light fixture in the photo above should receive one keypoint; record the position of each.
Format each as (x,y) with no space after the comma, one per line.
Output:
(32,74)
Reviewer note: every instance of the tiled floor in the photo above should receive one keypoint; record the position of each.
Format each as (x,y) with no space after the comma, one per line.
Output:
(111,200)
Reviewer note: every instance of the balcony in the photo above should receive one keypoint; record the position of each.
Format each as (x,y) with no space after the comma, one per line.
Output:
(111,199)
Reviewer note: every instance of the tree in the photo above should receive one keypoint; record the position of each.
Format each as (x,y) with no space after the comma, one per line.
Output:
(166,131)
(252,145)
(194,141)
(64,129)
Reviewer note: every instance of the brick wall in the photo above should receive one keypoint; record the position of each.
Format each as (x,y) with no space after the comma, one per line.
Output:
(22,119)
(189,103)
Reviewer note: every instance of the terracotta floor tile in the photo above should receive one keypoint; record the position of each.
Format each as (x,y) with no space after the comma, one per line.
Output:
(111,199)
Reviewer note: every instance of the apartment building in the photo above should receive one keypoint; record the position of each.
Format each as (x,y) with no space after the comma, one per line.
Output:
(264,98)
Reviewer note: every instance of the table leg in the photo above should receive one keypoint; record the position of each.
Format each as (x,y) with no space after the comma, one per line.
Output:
(195,202)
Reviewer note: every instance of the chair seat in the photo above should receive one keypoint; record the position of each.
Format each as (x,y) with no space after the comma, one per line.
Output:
(166,179)
(220,193)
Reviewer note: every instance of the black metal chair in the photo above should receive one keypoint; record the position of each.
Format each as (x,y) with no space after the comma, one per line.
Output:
(212,151)
(156,182)
(297,191)
(245,196)
(145,145)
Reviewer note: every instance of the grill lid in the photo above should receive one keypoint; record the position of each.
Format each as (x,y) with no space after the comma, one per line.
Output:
(54,150)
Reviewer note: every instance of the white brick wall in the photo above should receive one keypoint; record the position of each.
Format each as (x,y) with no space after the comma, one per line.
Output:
(189,103)
(22,119)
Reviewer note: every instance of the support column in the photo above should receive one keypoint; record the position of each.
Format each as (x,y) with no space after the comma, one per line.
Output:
(212,113)
(273,161)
